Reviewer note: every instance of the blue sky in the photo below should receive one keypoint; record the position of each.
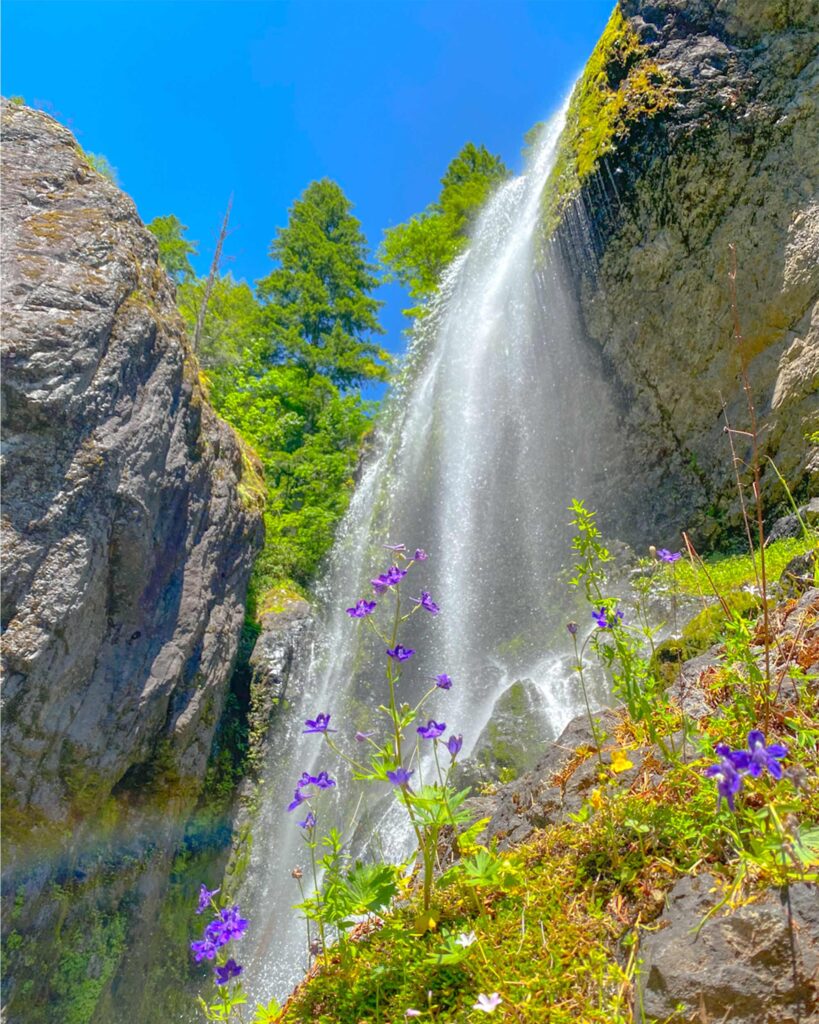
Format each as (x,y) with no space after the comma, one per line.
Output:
(192,101)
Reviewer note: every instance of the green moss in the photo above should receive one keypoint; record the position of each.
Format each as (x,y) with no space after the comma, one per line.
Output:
(730,572)
(91,954)
(620,87)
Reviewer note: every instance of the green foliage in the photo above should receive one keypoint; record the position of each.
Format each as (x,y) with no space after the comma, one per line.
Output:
(233,334)
(416,252)
(620,87)
(102,166)
(174,248)
(318,307)
(17,101)
(730,572)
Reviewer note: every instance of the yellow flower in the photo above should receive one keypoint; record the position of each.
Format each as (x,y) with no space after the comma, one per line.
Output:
(596,799)
(620,761)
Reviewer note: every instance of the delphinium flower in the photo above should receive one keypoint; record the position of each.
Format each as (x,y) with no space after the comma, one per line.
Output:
(454,744)
(361,609)
(400,653)
(390,578)
(230,970)
(420,555)
(762,757)
(298,799)
(432,730)
(606,619)
(442,681)
(323,781)
(305,780)
(488,1003)
(400,777)
(321,723)
(426,602)
(727,774)
(205,897)
(670,557)
(225,927)
(309,822)
(572,628)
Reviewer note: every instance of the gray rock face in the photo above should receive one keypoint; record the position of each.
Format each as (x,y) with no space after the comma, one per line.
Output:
(747,966)
(129,528)
(732,161)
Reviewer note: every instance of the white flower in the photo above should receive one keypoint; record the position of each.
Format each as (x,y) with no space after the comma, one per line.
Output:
(412,1013)
(466,939)
(487,1003)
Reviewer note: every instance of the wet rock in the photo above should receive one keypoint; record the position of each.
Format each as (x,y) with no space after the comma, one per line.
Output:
(799,575)
(647,240)
(129,531)
(747,967)
(512,740)
(784,528)
(271,663)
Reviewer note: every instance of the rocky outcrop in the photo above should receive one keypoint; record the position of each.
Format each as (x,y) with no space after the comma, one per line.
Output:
(129,529)
(754,964)
(695,128)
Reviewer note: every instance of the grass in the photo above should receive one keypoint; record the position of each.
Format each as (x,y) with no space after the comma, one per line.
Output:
(733,572)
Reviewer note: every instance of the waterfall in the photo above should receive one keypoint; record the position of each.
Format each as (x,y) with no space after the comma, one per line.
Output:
(484,441)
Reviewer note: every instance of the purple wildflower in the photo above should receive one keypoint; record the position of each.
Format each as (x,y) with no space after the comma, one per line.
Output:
(323,781)
(400,653)
(432,730)
(230,970)
(306,780)
(309,821)
(229,925)
(390,578)
(400,777)
(298,799)
(728,779)
(668,556)
(205,896)
(361,609)
(321,723)
(572,628)
(360,737)
(426,602)
(454,744)
(607,620)
(420,555)
(203,949)
(443,681)
(762,757)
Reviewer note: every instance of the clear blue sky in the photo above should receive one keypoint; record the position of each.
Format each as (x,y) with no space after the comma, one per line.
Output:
(191,101)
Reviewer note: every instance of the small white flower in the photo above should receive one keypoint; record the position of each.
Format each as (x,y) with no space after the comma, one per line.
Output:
(466,939)
(412,1013)
(487,1003)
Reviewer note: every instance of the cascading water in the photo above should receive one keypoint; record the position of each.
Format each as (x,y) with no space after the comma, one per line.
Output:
(481,447)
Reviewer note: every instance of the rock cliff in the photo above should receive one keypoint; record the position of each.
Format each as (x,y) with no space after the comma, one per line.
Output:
(695,127)
(129,528)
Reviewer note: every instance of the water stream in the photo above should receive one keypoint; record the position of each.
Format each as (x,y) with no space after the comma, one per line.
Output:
(496,424)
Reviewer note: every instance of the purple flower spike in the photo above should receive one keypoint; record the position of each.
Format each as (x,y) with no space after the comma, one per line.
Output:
(400,777)
(224,974)
(762,757)
(361,609)
(453,745)
(426,602)
(400,653)
(321,723)
(205,896)
(203,949)
(607,620)
(420,555)
(728,779)
(298,799)
(323,781)
(309,821)
(432,730)
(229,925)
(668,556)
(443,681)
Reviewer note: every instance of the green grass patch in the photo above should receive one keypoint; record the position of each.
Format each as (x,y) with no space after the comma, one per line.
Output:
(732,572)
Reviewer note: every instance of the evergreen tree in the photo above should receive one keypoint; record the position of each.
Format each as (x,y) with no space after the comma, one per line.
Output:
(416,252)
(174,248)
(317,301)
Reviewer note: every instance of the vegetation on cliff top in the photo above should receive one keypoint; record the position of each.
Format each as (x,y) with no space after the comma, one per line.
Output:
(620,87)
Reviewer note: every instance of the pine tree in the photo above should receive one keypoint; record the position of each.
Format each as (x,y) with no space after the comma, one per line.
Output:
(174,248)
(317,301)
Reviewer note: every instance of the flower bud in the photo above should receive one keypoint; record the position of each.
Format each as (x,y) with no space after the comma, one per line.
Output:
(572,628)
(296,873)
